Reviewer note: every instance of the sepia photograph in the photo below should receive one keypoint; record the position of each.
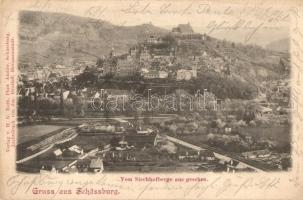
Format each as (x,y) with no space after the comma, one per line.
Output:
(105,95)
(151,99)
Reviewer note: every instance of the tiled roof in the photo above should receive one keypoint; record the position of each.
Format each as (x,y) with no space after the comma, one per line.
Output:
(96,163)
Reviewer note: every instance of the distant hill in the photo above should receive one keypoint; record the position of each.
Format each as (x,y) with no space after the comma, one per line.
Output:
(279,45)
(55,38)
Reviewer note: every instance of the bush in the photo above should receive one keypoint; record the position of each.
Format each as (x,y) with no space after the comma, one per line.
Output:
(252,123)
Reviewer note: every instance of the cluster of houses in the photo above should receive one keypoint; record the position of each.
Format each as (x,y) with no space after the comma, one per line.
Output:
(279,92)
(48,73)
(78,160)
(191,155)
(269,157)
(256,154)
(217,64)
(158,49)
(274,102)
(155,58)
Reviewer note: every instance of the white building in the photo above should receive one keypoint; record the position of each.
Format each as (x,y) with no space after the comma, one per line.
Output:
(183,74)
(163,74)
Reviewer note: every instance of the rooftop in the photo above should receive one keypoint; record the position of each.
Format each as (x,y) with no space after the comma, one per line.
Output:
(96,163)
(183,28)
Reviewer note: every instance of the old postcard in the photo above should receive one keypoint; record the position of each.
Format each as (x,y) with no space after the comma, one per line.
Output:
(151,99)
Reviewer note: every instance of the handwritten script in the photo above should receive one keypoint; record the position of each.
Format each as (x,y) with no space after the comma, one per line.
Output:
(217,186)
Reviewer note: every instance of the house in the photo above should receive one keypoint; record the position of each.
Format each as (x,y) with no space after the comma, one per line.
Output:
(188,155)
(97,128)
(163,53)
(151,74)
(233,166)
(183,74)
(83,165)
(206,155)
(125,67)
(230,118)
(285,63)
(123,145)
(163,74)
(154,40)
(130,156)
(60,67)
(249,139)
(68,153)
(41,74)
(73,170)
(129,58)
(194,71)
(133,52)
(159,139)
(263,153)
(145,55)
(204,54)
(47,169)
(96,165)
(144,131)
(76,149)
(57,152)
(264,110)
(54,170)
(249,155)
(66,94)
(256,154)
(141,140)
(227,129)
(143,156)
(182,155)
(207,167)
(143,71)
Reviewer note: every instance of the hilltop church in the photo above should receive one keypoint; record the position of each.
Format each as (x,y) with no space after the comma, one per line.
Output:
(185,29)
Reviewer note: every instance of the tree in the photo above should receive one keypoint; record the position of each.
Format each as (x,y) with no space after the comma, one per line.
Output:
(106,110)
(170,39)
(248,116)
(114,142)
(61,102)
(69,110)
(100,62)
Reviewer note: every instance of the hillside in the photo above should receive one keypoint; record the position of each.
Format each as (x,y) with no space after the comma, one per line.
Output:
(279,45)
(249,62)
(55,38)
